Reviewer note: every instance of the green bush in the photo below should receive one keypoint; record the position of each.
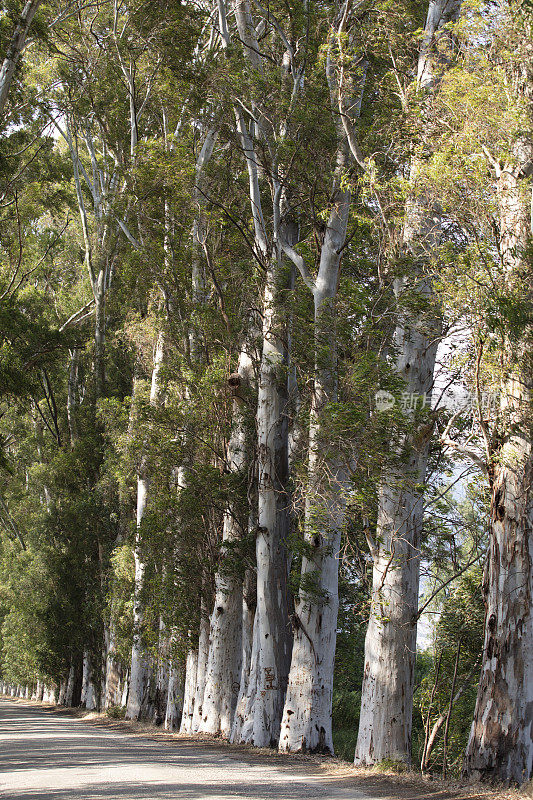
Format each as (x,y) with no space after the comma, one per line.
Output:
(116,712)
(344,741)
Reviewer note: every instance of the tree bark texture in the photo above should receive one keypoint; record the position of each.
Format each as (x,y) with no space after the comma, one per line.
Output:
(306,723)
(201,669)
(174,707)
(390,644)
(140,673)
(269,674)
(16,46)
(189,695)
(225,648)
(500,747)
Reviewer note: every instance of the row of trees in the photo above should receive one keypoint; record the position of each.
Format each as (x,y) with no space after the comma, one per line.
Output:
(249,253)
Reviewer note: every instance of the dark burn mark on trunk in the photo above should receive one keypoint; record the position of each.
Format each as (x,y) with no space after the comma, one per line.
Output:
(499,505)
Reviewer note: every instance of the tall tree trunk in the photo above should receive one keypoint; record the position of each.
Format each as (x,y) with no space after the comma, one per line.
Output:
(62,690)
(273,653)
(500,747)
(201,668)
(390,646)
(113,668)
(88,691)
(189,695)
(174,707)
(69,691)
(15,48)
(390,643)
(225,648)
(306,723)
(162,676)
(140,663)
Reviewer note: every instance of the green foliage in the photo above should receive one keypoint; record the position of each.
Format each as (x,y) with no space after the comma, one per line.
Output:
(72,452)
(116,712)
(458,634)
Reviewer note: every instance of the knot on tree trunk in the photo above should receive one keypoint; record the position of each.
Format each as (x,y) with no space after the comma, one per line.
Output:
(234,380)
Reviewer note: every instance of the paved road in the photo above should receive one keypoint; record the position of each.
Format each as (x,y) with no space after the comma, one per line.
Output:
(47,756)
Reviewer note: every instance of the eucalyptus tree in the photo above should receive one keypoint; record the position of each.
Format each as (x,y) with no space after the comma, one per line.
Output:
(488,288)
(225,659)
(390,649)
(15,47)
(260,703)
(140,666)
(199,252)
(502,751)
(306,723)
(500,746)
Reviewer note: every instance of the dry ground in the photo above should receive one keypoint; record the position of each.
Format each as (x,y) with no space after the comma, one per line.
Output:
(383,785)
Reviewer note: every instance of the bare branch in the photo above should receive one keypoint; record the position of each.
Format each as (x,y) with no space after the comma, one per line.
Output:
(77,317)
(9,523)
(299,263)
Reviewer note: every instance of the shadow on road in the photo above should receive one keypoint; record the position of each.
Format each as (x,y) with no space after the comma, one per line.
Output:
(46,755)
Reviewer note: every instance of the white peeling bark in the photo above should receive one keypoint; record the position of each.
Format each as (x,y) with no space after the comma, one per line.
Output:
(500,747)
(62,691)
(69,691)
(125,690)
(203,655)
(88,689)
(191,668)
(16,46)
(85,677)
(266,692)
(225,648)
(140,662)
(390,645)
(140,672)
(113,670)
(174,707)
(162,676)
